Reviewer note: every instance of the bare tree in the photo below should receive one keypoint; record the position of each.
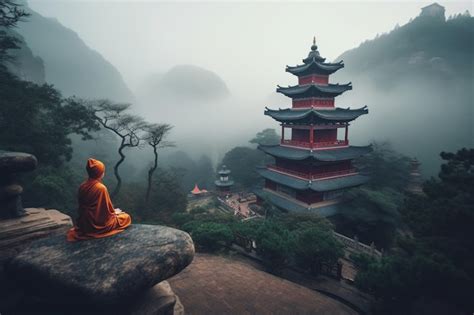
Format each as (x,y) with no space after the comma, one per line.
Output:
(155,133)
(128,128)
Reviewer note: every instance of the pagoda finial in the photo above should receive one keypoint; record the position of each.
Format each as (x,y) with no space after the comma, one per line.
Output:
(314,47)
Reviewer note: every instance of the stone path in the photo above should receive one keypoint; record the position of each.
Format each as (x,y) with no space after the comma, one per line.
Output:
(220,285)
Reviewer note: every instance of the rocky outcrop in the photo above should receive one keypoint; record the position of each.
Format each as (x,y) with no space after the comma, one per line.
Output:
(10,192)
(16,234)
(101,274)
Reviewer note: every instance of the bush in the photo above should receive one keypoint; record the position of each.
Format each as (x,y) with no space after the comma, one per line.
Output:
(314,246)
(272,241)
(181,218)
(198,210)
(211,235)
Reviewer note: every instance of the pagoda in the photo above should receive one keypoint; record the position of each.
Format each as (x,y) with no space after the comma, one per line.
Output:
(224,184)
(313,162)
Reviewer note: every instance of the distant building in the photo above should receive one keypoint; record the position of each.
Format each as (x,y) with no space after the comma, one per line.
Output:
(415,182)
(433,10)
(313,162)
(224,184)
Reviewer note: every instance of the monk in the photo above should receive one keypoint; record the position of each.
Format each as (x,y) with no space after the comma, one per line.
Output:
(97,216)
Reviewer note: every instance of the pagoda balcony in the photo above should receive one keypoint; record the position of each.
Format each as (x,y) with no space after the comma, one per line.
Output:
(310,176)
(315,145)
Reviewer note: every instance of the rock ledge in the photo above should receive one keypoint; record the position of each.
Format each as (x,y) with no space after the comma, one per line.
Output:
(105,271)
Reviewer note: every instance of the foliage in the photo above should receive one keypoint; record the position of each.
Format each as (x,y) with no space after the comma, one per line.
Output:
(10,14)
(52,187)
(155,133)
(266,137)
(242,161)
(315,245)
(300,221)
(193,172)
(128,128)
(35,119)
(372,211)
(210,235)
(181,218)
(166,196)
(198,210)
(436,267)
(273,241)
(247,229)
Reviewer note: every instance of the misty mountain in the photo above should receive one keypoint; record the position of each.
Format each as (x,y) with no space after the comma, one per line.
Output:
(417,81)
(70,65)
(24,64)
(184,83)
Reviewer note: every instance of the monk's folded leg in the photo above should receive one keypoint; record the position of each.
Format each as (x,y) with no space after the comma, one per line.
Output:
(124,220)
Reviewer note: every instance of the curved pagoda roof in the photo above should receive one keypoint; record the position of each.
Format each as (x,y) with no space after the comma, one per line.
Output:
(314,67)
(312,115)
(224,170)
(290,206)
(314,64)
(321,185)
(314,90)
(227,183)
(314,53)
(327,155)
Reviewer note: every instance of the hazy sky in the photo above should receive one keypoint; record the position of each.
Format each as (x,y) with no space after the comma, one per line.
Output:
(248,44)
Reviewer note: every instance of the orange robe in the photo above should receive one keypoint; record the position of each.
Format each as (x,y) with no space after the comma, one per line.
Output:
(97,217)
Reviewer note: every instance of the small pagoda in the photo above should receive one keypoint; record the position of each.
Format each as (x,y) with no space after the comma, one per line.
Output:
(415,185)
(224,184)
(313,162)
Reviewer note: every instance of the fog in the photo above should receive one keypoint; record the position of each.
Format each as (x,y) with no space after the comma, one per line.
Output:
(247,46)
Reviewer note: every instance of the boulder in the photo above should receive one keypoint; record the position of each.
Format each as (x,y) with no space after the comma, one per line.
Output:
(10,192)
(102,273)
(14,162)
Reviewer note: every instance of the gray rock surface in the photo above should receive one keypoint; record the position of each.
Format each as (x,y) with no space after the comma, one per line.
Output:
(102,272)
(13,162)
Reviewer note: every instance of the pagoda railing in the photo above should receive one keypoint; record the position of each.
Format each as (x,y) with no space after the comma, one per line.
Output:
(350,171)
(315,145)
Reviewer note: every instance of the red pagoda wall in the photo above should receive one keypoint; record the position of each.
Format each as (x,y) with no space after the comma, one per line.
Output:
(315,102)
(300,135)
(325,135)
(318,79)
(270,185)
(309,196)
(300,168)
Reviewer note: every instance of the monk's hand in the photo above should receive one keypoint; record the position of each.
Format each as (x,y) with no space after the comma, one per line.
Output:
(118,210)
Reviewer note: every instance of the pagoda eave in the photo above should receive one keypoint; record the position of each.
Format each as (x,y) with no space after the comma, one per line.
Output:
(314,116)
(286,204)
(322,185)
(224,184)
(328,155)
(314,67)
(314,90)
